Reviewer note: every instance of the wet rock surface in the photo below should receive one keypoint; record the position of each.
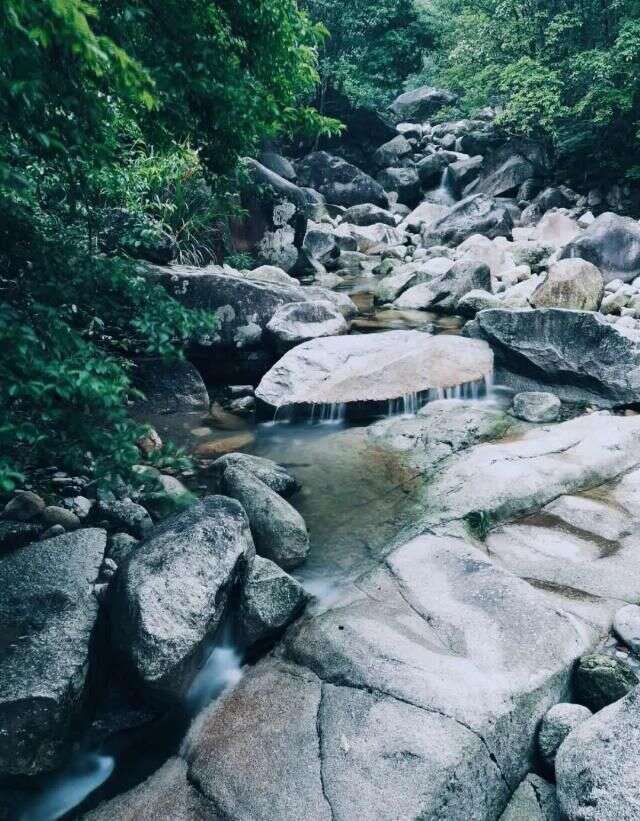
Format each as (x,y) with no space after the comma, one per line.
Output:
(48,617)
(170,594)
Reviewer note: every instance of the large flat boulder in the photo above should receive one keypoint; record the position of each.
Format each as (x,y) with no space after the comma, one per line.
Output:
(170,594)
(48,615)
(578,354)
(477,214)
(373,368)
(612,243)
(418,105)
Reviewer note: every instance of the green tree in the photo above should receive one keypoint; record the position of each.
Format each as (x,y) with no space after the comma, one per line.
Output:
(567,72)
(373,46)
(98,101)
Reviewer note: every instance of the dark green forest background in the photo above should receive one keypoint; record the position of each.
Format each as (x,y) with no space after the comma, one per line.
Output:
(148,105)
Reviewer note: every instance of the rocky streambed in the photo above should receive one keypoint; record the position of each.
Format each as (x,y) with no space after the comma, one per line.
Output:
(409,588)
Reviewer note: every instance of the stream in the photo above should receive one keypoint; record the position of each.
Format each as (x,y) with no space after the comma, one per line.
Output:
(353,497)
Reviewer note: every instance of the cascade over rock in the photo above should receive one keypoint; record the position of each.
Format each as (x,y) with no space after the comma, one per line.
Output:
(373,369)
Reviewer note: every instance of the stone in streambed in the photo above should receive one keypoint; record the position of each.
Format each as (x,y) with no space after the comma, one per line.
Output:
(477,214)
(23,506)
(169,596)
(301,321)
(48,615)
(279,531)
(17,534)
(578,354)
(556,726)
(443,292)
(372,368)
(125,514)
(270,599)
(273,475)
(612,243)
(600,680)
(165,795)
(597,765)
(570,283)
(536,406)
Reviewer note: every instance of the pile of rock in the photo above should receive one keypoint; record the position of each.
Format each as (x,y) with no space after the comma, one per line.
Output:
(149,596)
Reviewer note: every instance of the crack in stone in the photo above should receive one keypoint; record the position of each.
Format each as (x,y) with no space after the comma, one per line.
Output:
(376,691)
(323,786)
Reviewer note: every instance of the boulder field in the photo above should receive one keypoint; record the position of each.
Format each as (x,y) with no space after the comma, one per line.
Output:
(423,604)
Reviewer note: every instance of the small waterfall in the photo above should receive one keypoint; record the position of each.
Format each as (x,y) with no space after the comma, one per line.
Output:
(87,771)
(410,403)
(222,669)
(445,193)
(327,413)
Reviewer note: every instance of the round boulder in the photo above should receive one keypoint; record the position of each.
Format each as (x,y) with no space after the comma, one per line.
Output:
(600,680)
(570,283)
(270,599)
(299,322)
(536,406)
(556,726)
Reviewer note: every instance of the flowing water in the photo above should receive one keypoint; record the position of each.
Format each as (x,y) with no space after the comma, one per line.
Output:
(354,498)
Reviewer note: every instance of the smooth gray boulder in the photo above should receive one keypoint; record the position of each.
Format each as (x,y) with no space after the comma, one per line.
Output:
(599,680)
(556,726)
(477,214)
(536,406)
(23,506)
(626,625)
(338,299)
(430,169)
(125,514)
(463,172)
(612,244)
(278,164)
(534,800)
(404,181)
(372,368)
(443,293)
(299,322)
(578,354)
(570,283)
(169,387)
(368,214)
(393,152)
(237,302)
(273,475)
(269,273)
(418,105)
(507,177)
(279,531)
(477,300)
(48,616)
(597,765)
(270,600)
(338,181)
(170,594)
